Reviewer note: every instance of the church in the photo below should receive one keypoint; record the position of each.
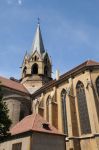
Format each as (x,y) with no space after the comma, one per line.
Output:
(70,103)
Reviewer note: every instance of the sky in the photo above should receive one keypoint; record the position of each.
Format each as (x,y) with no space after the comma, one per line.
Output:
(70,30)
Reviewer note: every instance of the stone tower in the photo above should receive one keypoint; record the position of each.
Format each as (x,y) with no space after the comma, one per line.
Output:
(36,67)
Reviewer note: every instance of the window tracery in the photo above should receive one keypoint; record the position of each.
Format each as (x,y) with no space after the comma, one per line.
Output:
(64,112)
(82,108)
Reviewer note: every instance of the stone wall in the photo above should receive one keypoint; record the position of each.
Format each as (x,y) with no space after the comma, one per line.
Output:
(8,144)
(88,78)
(17,102)
(38,141)
(48,142)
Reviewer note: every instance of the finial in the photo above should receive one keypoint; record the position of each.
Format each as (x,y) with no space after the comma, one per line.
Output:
(38,20)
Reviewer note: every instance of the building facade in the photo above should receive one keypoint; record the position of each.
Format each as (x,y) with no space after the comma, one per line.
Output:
(70,102)
(33,133)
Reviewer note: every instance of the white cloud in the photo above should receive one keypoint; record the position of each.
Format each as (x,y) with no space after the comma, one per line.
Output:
(20,2)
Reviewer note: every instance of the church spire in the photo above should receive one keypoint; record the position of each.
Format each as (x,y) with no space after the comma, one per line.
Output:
(38,42)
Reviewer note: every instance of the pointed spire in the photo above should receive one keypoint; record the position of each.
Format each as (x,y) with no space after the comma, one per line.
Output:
(38,42)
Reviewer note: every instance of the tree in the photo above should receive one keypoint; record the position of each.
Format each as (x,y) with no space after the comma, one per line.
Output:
(5,122)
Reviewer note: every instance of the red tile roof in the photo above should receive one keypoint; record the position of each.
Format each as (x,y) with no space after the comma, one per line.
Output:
(91,63)
(33,122)
(13,85)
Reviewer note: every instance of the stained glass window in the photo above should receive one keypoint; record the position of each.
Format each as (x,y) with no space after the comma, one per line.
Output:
(64,113)
(82,108)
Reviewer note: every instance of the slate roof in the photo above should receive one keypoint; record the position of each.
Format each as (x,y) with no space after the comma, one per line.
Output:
(13,85)
(38,42)
(33,122)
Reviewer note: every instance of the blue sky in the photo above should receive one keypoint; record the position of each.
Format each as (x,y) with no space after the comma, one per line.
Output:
(70,30)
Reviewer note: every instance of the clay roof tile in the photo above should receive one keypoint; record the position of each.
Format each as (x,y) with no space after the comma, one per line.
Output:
(33,122)
(12,84)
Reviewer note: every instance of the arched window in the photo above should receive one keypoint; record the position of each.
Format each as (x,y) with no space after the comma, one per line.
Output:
(45,70)
(82,108)
(47,107)
(64,113)
(97,85)
(54,111)
(35,58)
(34,69)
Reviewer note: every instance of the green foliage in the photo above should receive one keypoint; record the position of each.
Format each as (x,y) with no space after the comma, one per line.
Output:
(5,122)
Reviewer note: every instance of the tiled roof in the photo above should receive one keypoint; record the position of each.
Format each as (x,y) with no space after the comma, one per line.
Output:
(33,122)
(12,85)
(86,64)
(92,63)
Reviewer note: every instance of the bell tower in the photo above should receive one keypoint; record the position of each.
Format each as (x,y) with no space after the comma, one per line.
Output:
(36,67)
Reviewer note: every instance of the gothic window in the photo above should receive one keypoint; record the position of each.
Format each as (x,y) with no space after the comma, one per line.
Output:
(34,69)
(54,110)
(97,85)
(35,58)
(46,70)
(82,108)
(47,107)
(64,113)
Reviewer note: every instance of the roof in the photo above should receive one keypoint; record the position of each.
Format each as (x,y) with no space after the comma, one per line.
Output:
(86,65)
(33,122)
(38,42)
(12,85)
(91,63)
